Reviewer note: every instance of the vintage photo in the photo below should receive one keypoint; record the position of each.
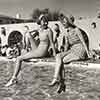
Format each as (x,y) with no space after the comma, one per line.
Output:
(49,50)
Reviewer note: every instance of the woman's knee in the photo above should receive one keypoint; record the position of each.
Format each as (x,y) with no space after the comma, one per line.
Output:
(58,56)
(28,35)
(65,60)
(19,58)
(70,58)
(58,59)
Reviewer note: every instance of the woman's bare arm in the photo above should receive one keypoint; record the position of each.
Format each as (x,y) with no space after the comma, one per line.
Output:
(34,33)
(50,35)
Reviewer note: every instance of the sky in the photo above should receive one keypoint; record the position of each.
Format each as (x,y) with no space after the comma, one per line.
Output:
(74,7)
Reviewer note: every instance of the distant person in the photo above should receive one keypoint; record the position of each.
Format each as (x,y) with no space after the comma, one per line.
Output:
(4,41)
(77,50)
(56,43)
(80,18)
(38,51)
(13,51)
(3,50)
(57,38)
(93,25)
(10,52)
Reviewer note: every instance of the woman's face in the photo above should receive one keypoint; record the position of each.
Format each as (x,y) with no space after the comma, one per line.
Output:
(56,28)
(44,23)
(65,23)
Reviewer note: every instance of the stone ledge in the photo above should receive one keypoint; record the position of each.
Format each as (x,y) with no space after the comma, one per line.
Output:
(92,64)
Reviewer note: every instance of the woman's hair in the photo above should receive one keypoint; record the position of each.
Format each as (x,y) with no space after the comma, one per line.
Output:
(70,19)
(70,23)
(26,27)
(57,25)
(42,17)
(61,17)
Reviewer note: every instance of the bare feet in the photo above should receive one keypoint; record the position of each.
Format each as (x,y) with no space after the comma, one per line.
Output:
(61,88)
(54,82)
(11,82)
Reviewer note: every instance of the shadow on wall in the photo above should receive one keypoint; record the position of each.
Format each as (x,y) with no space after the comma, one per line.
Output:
(14,38)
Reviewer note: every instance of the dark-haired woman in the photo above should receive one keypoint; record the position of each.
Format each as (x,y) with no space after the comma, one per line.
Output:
(41,50)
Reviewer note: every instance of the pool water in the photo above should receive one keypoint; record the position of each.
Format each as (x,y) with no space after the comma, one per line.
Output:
(81,84)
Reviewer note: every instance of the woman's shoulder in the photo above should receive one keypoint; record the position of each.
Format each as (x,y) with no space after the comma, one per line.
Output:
(82,32)
(77,29)
(49,30)
(39,29)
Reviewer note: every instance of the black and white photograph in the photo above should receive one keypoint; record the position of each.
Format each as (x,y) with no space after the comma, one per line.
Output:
(49,50)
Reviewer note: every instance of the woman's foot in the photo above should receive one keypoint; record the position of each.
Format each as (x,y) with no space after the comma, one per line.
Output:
(11,82)
(54,82)
(61,88)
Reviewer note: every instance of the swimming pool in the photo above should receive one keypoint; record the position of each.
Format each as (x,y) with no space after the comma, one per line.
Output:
(82,84)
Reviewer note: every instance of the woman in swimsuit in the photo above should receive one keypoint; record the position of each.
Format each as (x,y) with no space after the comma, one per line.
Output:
(41,50)
(77,44)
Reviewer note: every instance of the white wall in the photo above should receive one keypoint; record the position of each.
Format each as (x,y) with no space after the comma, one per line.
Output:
(85,24)
(94,34)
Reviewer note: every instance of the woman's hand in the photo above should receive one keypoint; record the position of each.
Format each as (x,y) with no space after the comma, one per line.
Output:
(54,54)
(90,55)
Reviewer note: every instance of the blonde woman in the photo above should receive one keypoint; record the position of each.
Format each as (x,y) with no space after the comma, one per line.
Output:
(77,49)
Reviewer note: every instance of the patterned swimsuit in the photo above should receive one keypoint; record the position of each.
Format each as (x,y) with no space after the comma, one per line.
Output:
(75,45)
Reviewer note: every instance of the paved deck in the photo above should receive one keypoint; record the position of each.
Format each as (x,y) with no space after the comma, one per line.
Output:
(81,83)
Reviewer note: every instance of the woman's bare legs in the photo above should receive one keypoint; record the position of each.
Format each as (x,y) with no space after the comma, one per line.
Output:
(60,61)
(26,42)
(59,75)
(21,58)
(59,70)
(30,40)
(27,56)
